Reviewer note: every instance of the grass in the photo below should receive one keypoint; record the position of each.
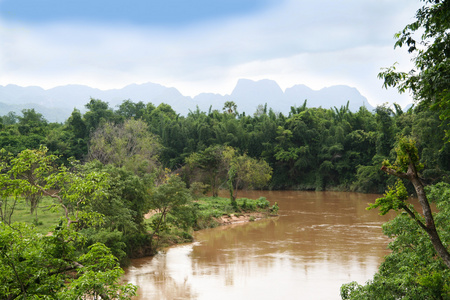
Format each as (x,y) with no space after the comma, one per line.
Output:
(207,209)
(201,214)
(47,218)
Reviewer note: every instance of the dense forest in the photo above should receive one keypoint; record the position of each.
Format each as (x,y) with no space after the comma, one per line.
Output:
(309,149)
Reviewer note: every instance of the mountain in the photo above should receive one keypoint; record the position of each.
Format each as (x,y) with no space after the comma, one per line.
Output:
(57,104)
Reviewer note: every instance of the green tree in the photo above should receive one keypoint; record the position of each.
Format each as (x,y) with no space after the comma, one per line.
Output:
(71,188)
(230,107)
(33,266)
(123,205)
(427,40)
(412,269)
(7,207)
(208,166)
(166,198)
(78,135)
(31,122)
(129,109)
(386,130)
(128,145)
(98,113)
(407,166)
(10,118)
(245,172)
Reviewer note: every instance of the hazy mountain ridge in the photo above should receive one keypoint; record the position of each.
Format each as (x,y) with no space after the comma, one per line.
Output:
(56,104)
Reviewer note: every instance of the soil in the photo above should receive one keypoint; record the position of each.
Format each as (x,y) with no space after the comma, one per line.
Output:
(240,218)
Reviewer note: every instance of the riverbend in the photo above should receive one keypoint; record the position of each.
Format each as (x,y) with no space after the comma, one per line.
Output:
(319,241)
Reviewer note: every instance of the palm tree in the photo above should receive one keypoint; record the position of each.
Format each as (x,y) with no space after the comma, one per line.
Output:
(230,107)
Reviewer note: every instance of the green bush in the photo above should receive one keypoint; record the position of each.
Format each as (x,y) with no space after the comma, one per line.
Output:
(262,202)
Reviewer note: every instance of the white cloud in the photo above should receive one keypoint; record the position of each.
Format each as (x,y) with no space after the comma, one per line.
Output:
(317,43)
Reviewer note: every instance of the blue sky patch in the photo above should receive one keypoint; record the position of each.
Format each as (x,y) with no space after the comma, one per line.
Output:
(135,12)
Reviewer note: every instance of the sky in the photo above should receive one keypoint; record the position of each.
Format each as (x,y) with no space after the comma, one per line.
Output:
(202,46)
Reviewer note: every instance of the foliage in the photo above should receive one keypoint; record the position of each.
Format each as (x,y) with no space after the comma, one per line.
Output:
(209,166)
(50,267)
(166,199)
(98,113)
(427,41)
(245,171)
(198,189)
(394,199)
(72,189)
(230,107)
(412,270)
(123,205)
(7,207)
(128,145)
(309,149)
(407,166)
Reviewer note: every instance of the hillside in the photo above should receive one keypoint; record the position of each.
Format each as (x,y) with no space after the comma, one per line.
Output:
(56,104)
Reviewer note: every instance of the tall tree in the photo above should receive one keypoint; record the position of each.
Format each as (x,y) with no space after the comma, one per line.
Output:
(71,188)
(211,166)
(407,166)
(31,122)
(128,145)
(230,107)
(129,109)
(244,172)
(166,198)
(411,270)
(428,42)
(98,112)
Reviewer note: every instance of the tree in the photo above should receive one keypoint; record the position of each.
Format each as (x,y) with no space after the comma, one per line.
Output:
(407,166)
(32,196)
(10,118)
(129,109)
(385,130)
(98,113)
(126,201)
(128,145)
(430,77)
(411,270)
(210,164)
(7,207)
(244,172)
(31,122)
(230,107)
(51,267)
(167,197)
(122,206)
(72,189)
(76,130)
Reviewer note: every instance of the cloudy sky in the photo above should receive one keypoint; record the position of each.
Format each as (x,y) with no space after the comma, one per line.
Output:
(203,45)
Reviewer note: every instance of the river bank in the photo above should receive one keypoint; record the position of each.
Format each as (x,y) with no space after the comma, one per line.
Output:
(178,227)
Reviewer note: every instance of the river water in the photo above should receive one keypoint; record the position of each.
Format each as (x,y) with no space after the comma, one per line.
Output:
(319,241)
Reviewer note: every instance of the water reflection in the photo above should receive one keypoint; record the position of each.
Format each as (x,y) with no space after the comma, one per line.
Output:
(320,241)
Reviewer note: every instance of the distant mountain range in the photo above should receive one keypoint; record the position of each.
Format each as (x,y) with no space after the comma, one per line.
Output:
(57,104)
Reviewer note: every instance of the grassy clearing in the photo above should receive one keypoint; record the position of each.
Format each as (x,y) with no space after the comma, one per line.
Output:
(204,214)
(47,218)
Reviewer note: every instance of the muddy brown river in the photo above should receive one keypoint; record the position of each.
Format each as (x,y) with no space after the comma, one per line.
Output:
(319,241)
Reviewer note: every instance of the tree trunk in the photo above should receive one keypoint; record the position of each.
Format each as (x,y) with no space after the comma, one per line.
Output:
(429,227)
(429,221)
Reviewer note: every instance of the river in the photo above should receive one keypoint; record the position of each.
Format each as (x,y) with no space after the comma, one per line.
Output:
(319,241)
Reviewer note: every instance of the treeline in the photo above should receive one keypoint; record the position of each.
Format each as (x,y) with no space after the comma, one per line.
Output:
(308,149)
